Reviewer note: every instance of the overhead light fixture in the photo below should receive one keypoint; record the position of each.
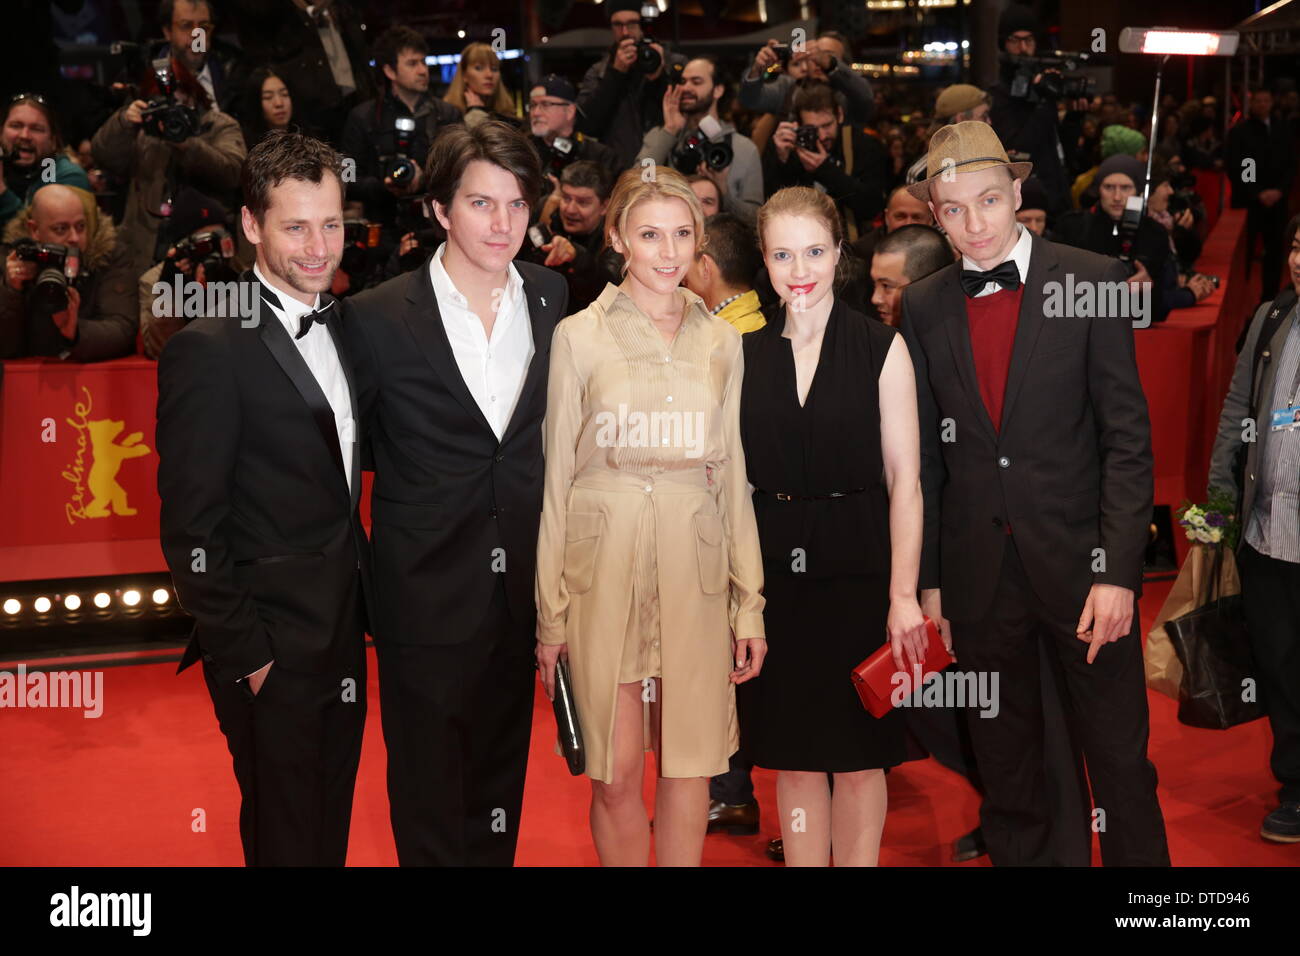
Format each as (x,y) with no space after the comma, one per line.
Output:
(72,602)
(1175,42)
(102,599)
(42,605)
(131,598)
(13,606)
(160,596)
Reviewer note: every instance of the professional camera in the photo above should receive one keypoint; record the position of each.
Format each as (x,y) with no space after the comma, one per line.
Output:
(805,137)
(1058,80)
(399,167)
(213,249)
(704,145)
(647,58)
(57,266)
(559,154)
(162,116)
(359,237)
(1129,223)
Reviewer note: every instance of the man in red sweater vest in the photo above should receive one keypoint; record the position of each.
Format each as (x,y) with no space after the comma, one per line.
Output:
(1037,475)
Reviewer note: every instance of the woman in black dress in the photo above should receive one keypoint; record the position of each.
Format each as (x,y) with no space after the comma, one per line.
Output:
(829,424)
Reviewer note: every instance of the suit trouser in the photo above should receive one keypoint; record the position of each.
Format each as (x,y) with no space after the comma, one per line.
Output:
(457,721)
(1108,702)
(1271,596)
(296,746)
(945,733)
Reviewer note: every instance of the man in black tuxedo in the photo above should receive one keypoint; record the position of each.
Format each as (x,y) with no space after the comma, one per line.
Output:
(260,476)
(1037,475)
(451,372)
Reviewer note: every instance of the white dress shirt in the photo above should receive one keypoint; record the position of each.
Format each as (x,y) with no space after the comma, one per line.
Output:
(205,80)
(493,369)
(317,350)
(1019,253)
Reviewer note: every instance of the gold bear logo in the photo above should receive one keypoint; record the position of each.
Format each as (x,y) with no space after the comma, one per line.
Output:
(107,461)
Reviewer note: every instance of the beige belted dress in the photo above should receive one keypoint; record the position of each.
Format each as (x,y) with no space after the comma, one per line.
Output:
(648,557)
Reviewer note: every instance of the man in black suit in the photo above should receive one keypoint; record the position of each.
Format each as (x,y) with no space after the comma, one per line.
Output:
(451,371)
(260,476)
(1037,475)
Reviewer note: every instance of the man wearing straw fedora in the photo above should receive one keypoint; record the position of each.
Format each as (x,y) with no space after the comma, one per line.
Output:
(1037,476)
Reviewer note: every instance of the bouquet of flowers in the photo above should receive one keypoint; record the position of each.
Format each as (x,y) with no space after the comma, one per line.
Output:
(1214,522)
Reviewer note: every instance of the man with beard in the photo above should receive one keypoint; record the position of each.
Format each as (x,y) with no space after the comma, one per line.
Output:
(552,115)
(846,164)
(685,105)
(259,473)
(189,28)
(29,137)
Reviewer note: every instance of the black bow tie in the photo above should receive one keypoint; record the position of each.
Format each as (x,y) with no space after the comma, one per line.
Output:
(1006,275)
(307,318)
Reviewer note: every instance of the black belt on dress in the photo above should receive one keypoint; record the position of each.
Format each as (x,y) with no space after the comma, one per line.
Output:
(782,496)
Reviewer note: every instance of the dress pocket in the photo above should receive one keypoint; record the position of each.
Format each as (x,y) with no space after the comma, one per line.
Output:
(582,532)
(711,553)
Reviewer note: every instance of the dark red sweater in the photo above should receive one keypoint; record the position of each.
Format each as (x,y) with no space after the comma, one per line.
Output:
(992,320)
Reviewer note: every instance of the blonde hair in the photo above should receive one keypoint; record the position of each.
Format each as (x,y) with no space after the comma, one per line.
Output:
(631,190)
(805,201)
(477,54)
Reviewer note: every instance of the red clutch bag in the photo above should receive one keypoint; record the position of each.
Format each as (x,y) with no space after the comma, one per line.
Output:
(873,679)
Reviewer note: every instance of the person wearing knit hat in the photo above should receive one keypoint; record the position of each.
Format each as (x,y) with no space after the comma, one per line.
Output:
(1032,213)
(96,318)
(1145,251)
(1117,139)
(621,94)
(1018,30)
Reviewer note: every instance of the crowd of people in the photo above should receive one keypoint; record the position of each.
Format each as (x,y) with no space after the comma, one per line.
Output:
(723,307)
(787,118)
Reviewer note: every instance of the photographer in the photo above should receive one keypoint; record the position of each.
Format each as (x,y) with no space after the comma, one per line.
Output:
(621,94)
(1176,207)
(552,118)
(574,238)
(1027,122)
(388,159)
(68,290)
(214,63)
(1138,241)
(816,148)
(160,143)
(205,254)
(728,158)
(826,59)
(30,136)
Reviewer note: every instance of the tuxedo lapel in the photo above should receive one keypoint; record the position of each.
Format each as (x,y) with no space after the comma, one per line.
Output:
(538,368)
(424,320)
(354,466)
(291,361)
(1043,265)
(952,304)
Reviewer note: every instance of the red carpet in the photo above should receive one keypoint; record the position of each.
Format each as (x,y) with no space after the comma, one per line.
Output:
(122,790)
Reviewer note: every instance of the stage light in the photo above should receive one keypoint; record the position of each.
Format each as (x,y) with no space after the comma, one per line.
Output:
(461,34)
(42,605)
(1175,42)
(131,598)
(102,599)
(72,602)
(13,606)
(160,596)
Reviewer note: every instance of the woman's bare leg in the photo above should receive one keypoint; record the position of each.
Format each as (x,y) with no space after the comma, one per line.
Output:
(619,824)
(804,801)
(858,808)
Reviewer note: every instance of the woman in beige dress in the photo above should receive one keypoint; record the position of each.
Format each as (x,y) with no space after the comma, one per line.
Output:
(648,567)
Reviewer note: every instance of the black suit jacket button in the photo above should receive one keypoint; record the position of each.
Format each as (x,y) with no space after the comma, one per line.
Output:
(501,457)
(1004,462)
(998,522)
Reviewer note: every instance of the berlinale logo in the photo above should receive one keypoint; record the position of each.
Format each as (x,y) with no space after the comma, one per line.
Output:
(107,454)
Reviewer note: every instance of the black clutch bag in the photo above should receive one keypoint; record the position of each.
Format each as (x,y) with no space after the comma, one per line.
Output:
(566,719)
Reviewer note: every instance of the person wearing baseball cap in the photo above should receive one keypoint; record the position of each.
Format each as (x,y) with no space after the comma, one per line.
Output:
(1036,515)
(552,119)
(956,104)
